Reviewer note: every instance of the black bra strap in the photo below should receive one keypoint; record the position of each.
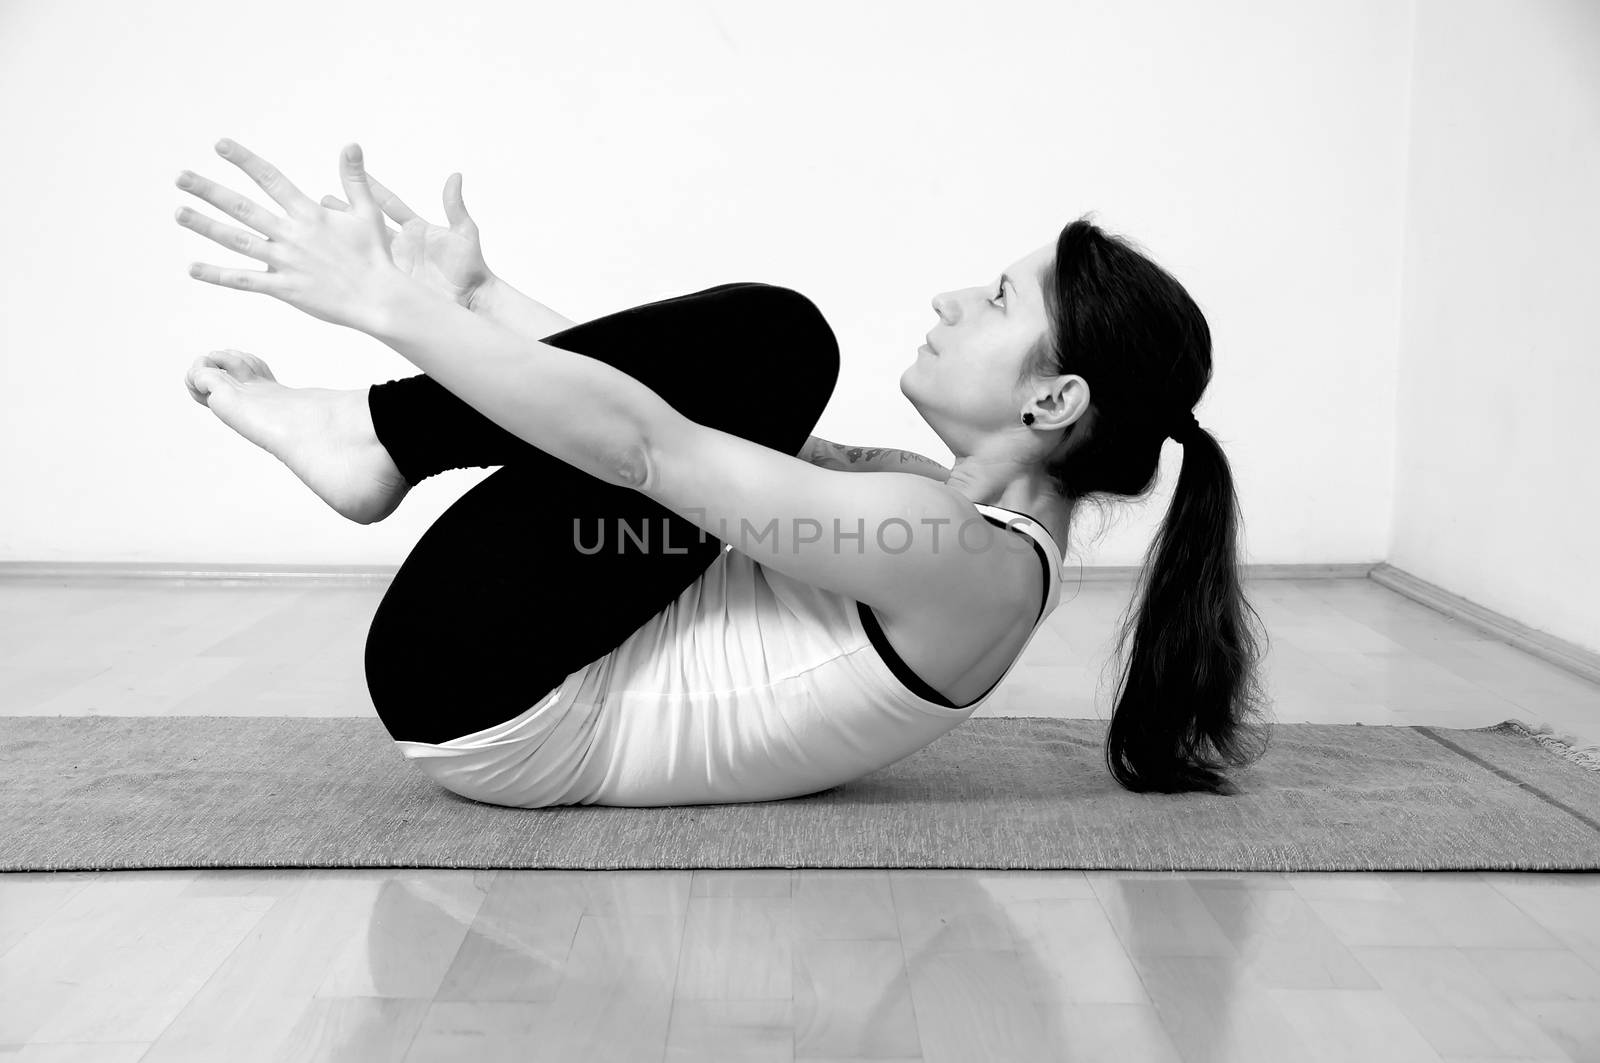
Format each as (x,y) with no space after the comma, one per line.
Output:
(903,672)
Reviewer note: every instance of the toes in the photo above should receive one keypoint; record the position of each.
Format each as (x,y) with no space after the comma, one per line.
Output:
(188,382)
(261,367)
(236,367)
(203,380)
(191,380)
(243,364)
(233,361)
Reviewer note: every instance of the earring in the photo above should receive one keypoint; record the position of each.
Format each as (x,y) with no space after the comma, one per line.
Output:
(1027,418)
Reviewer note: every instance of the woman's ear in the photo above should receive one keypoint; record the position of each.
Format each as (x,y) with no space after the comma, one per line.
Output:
(1077,389)
(1066,402)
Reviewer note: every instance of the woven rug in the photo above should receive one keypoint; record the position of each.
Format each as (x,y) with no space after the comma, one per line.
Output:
(100,793)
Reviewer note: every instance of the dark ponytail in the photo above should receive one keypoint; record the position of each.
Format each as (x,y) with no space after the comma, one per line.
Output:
(1190,680)
(1189,704)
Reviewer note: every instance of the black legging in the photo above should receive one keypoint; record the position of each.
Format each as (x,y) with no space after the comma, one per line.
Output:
(497,603)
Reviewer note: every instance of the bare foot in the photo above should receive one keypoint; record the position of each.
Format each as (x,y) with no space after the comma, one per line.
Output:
(324,435)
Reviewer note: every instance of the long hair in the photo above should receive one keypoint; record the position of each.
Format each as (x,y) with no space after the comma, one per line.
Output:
(1189,704)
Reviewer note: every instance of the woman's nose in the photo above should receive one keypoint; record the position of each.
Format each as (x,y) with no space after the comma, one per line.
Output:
(938,308)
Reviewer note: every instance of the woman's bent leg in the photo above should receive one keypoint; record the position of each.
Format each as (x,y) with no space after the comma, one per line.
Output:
(506,594)
(426,429)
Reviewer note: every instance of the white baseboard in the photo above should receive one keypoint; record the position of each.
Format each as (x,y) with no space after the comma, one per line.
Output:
(177,574)
(1572,657)
(67,572)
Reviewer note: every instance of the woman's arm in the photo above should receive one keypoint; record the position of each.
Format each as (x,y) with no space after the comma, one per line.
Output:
(531,319)
(506,306)
(836,456)
(579,409)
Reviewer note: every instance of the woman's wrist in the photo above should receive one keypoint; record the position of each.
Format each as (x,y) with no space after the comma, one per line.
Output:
(509,308)
(482,299)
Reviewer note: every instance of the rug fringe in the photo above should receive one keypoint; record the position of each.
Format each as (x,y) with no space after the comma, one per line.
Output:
(1584,754)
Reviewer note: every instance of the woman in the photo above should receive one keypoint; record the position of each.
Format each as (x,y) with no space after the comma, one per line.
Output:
(668,659)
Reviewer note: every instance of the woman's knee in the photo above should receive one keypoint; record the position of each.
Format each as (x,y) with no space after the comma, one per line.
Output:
(799,337)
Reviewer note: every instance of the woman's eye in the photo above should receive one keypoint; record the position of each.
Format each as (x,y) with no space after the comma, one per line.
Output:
(1000,291)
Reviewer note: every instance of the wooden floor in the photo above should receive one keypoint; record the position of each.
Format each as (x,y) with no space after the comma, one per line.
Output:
(786,965)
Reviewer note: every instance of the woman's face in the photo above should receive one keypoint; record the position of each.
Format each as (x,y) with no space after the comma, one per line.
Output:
(963,382)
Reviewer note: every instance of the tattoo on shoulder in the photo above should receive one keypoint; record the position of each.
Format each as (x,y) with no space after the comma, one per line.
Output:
(858,455)
(839,456)
(918,459)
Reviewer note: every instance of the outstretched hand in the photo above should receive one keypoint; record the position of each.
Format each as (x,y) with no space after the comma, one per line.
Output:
(448,260)
(334,265)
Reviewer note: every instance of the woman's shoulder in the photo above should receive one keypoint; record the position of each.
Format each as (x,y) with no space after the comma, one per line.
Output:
(966,643)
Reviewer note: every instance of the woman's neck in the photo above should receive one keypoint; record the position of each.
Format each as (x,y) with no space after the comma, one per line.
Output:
(1035,496)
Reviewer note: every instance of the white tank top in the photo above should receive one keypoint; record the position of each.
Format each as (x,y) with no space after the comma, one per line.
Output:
(750,686)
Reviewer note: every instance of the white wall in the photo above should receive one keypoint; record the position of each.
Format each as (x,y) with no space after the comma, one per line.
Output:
(869,155)
(1496,494)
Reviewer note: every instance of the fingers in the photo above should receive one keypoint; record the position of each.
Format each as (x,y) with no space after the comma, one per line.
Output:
(335,203)
(396,208)
(389,202)
(232,203)
(245,280)
(271,180)
(228,236)
(455,208)
(353,174)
